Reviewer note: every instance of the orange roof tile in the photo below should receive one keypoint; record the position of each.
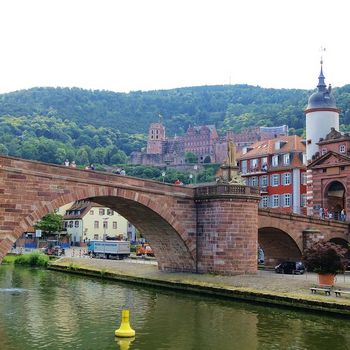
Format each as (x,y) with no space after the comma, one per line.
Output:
(288,144)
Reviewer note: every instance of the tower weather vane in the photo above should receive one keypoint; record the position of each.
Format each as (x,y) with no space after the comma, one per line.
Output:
(322,50)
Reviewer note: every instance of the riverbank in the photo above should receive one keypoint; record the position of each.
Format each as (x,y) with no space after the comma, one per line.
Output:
(264,287)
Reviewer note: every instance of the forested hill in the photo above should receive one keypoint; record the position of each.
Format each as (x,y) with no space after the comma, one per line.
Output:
(102,127)
(226,106)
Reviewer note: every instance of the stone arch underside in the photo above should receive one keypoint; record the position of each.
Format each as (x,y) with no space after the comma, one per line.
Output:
(174,246)
(278,246)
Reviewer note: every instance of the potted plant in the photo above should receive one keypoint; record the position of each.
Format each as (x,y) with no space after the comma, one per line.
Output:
(326,259)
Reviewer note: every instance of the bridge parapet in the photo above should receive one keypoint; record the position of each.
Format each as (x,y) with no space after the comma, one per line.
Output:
(226,190)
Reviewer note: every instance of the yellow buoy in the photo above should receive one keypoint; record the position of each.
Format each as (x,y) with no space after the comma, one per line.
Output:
(125,331)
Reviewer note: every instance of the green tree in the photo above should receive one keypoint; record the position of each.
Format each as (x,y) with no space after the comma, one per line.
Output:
(191,157)
(3,149)
(50,223)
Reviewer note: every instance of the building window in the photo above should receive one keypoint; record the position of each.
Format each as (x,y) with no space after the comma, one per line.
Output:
(244,166)
(254,181)
(91,212)
(304,159)
(275,160)
(303,178)
(275,201)
(303,200)
(286,159)
(263,181)
(264,203)
(70,224)
(254,165)
(105,224)
(101,211)
(115,225)
(324,151)
(275,180)
(96,224)
(76,223)
(287,200)
(286,179)
(65,224)
(95,236)
(342,149)
(110,212)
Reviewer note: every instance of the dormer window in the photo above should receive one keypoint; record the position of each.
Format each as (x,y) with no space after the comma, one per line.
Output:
(342,149)
(275,160)
(324,151)
(286,159)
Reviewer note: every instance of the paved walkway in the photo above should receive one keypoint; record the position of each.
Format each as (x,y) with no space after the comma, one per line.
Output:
(264,282)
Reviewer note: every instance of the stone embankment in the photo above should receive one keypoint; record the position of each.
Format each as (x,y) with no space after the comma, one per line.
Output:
(264,287)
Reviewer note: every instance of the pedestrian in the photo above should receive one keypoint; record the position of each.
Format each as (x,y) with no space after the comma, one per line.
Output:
(73,165)
(330,215)
(122,172)
(342,215)
(321,213)
(92,167)
(325,213)
(177,182)
(66,162)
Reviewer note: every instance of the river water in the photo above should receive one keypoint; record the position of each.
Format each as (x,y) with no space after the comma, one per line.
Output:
(42,309)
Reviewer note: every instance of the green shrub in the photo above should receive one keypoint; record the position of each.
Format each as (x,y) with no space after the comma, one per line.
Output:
(32,259)
(9,259)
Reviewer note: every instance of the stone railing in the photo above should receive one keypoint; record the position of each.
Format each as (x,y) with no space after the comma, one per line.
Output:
(222,190)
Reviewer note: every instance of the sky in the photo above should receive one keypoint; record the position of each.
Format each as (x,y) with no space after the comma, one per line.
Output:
(129,45)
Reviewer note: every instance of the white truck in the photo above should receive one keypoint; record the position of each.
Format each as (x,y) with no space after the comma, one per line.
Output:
(109,249)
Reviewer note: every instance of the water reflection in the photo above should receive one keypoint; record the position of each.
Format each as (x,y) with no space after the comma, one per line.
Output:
(59,311)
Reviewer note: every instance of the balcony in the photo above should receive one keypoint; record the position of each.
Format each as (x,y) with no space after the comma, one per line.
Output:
(255,171)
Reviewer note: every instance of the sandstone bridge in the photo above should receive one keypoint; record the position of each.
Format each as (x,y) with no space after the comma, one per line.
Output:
(212,228)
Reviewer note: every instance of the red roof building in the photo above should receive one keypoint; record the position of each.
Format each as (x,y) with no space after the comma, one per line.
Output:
(278,168)
(330,172)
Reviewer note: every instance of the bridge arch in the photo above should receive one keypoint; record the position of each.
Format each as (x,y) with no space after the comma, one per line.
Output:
(334,197)
(170,241)
(277,246)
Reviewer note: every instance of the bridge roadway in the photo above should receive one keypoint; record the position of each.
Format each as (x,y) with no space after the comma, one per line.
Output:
(211,228)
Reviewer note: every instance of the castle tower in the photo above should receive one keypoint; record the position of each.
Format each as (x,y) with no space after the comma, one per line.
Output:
(322,114)
(156,136)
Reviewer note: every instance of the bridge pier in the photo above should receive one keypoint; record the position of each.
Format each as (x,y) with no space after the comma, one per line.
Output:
(311,236)
(227,229)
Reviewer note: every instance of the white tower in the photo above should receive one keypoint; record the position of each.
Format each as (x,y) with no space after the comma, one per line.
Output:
(322,114)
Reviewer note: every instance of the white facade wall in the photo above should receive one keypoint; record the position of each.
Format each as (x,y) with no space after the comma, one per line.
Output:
(84,229)
(296,191)
(319,124)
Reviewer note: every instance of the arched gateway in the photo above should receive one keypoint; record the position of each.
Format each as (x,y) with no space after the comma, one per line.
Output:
(202,229)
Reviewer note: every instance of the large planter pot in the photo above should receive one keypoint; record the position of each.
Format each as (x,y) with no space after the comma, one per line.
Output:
(326,279)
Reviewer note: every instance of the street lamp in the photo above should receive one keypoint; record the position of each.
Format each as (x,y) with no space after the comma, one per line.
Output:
(163,175)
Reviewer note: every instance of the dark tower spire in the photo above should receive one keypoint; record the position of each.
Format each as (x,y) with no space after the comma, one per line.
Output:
(321,84)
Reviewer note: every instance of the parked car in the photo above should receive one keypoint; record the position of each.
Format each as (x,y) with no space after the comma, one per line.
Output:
(293,267)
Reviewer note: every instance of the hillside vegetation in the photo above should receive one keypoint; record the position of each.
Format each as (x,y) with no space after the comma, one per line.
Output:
(51,124)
